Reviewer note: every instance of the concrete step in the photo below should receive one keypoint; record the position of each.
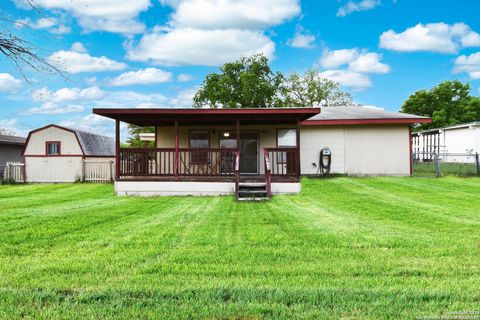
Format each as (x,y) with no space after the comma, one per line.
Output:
(254,199)
(252,184)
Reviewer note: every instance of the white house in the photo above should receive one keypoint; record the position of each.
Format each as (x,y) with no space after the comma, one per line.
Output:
(452,143)
(257,151)
(56,154)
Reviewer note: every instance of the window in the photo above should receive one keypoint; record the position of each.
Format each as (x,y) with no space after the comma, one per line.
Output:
(53,148)
(287,138)
(201,140)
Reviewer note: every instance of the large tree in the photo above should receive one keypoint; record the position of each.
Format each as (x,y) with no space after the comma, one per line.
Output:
(245,83)
(251,83)
(311,90)
(449,103)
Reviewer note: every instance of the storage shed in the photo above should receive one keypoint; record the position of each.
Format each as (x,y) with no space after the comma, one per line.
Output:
(56,154)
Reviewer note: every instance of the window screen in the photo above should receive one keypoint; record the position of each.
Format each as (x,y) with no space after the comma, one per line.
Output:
(287,138)
(53,148)
(199,139)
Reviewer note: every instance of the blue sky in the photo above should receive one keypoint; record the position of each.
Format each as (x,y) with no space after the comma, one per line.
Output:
(155,53)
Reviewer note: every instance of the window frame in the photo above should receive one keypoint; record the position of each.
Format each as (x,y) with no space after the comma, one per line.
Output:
(198,157)
(282,157)
(59,147)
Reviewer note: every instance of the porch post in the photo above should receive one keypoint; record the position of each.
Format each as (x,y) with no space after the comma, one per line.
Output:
(177,142)
(298,148)
(238,135)
(117,149)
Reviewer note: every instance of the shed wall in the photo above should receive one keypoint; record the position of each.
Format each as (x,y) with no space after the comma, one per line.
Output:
(53,169)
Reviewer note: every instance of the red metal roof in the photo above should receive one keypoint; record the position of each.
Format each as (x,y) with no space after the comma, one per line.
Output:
(157,117)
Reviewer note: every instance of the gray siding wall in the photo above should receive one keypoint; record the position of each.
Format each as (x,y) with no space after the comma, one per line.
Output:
(9,153)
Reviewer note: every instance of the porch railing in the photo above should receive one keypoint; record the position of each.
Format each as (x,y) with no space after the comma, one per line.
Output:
(283,161)
(202,162)
(136,162)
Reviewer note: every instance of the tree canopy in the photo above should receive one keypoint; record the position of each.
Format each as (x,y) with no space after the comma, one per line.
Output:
(251,83)
(448,103)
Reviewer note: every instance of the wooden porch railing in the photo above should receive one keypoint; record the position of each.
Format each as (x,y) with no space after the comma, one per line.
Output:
(135,162)
(283,161)
(268,181)
(237,173)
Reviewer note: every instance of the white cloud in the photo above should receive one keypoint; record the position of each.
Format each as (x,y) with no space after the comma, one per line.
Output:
(78,47)
(336,58)
(302,40)
(142,76)
(360,61)
(232,14)
(102,15)
(9,83)
(352,6)
(68,94)
(95,124)
(434,37)
(198,47)
(355,80)
(48,23)
(184,99)
(76,62)
(54,108)
(184,77)
(369,63)
(469,64)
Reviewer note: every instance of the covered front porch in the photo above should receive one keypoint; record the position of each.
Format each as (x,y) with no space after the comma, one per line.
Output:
(214,150)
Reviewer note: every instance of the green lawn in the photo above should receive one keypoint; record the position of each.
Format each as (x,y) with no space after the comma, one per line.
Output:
(346,248)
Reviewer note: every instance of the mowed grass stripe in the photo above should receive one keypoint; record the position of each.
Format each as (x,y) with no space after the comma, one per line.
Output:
(350,248)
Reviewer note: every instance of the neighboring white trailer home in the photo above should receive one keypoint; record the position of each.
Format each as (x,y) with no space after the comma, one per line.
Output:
(451,144)
(57,154)
(221,151)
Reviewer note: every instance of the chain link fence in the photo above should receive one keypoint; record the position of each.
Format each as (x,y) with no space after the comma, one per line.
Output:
(442,164)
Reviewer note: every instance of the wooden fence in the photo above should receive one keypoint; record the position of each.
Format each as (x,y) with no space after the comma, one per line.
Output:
(98,171)
(14,172)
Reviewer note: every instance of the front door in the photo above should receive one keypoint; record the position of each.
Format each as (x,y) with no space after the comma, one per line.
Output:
(248,149)
(248,152)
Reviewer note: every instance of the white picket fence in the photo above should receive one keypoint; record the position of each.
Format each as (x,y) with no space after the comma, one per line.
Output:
(98,171)
(14,172)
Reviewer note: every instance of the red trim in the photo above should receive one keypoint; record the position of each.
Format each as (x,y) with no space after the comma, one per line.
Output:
(365,121)
(243,111)
(117,149)
(59,148)
(177,143)
(410,148)
(53,156)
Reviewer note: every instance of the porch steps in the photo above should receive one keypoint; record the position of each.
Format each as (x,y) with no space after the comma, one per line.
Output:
(252,191)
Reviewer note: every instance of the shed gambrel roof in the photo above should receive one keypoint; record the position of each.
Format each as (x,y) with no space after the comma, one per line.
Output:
(92,145)
(95,145)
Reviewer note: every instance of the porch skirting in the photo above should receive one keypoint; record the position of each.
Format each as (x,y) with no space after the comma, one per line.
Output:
(185,188)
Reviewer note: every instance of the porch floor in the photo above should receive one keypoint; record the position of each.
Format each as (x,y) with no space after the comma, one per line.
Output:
(243,178)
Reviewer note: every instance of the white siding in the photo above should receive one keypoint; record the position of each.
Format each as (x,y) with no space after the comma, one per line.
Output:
(358,150)
(53,169)
(68,140)
(315,138)
(377,150)
(42,168)
(462,140)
